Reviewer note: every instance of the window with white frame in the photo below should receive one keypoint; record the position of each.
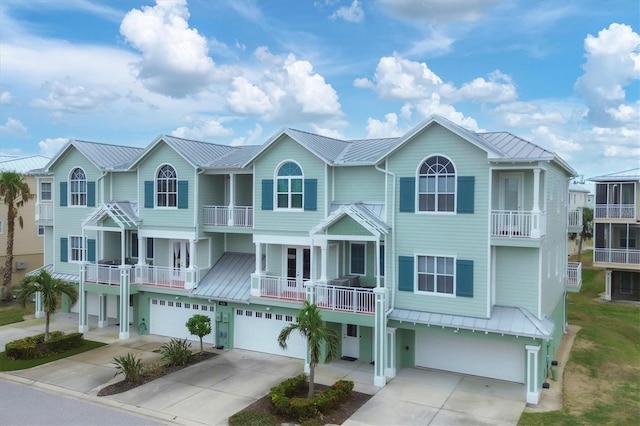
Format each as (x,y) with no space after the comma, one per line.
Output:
(78,190)
(76,249)
(358,255)
(40,231)
(436,274)
(289,188)
(45,191)
(437,185)
(167,187)
(134,246)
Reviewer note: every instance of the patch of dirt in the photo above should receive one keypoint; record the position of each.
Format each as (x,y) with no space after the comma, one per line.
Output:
(582,391)
(154,373)
(337,417)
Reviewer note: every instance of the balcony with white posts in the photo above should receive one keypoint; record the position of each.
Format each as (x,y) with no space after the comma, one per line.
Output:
(616,245)
(616,200)
(574,276)
(345,299)
(241,216)
(575,220)
(44,211)
(230,202)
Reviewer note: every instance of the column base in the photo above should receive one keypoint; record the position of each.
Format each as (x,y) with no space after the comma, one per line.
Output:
(379,381)
(307,368)
(123,335)
(102,324)
(390,373)
(533,397)
(39,314)
(83,328)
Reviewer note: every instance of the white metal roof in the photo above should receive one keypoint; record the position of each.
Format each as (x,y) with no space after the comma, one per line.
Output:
(229,279)
(72,278)
(103,156)
(632,174)
(23,164)
(368,217)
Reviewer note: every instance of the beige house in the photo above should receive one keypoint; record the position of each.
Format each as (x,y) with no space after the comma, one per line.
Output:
(28,245)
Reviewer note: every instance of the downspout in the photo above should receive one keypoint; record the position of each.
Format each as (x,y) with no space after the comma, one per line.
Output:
(393,226)
(98,202)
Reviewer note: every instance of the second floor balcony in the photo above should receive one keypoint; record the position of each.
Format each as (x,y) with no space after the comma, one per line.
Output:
(147,275)
(574,276)
(615,211)
(44,211)
(575,220)
(620,256)
(228,216)
(517,224)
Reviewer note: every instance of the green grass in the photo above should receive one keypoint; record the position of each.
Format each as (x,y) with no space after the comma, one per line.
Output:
(605,358)
(15,313)
(252,418)
(7,364)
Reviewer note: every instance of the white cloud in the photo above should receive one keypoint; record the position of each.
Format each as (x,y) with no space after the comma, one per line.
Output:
(362,83)
(329,132)
(5,98)
(351,13)
(438,11)
(434,43)
(545,137)
(612,62)
(203,128)
(67,97)
(621,151)
(432,105)
(310,89)
(537,113)
(399,78)
(384,129)
(625,113)
(49,147)
(254,137)
(499,88)
(175,59)
(247,98)
(13,127)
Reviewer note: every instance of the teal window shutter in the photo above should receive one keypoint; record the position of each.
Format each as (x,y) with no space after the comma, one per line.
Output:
(408,194)
(464,278)
(405,273)
(63,194)
(466,197)
(64,249)
(183,194)
(91,194)
(311,194)
(91,250)
(148,194)
(267,194)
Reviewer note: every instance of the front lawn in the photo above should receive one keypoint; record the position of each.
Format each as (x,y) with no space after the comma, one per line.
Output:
(602,377)
(7,364)
(11,312)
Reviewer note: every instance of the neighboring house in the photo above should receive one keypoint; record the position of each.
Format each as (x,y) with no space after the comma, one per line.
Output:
(442,248)
(616,231)
(27,242)
(578,194)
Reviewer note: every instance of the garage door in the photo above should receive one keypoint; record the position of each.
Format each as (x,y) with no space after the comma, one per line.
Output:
(258,331)
(168,318)
(479,357)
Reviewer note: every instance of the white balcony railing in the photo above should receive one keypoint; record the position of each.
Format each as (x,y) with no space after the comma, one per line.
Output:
(282,288)
(621,256)
(228,216)
(44,211)
(105,274)
(161,276)
(575,218)
(615,211)
(349,299)
(517,224)
(574,275)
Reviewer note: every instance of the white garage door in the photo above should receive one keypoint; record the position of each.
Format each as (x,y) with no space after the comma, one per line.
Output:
(168,318)
(479,357)
(258,331)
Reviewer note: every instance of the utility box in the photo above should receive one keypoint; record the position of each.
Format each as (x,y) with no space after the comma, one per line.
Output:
(225,317)
(21,265)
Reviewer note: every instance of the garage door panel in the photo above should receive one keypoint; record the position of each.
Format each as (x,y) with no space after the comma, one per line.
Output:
(468,355)
(259,331)
(168,318)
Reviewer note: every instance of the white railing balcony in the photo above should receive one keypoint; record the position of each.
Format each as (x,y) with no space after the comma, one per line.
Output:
(228,216)
(104,274)
(575,219)
(517,224)
(615,211)
(574,276)
(282,288)
(162,276)
(621,256)
(347,299)
(44,211)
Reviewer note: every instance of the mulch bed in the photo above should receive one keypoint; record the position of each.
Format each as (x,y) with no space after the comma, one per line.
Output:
(156,373)
(336,417)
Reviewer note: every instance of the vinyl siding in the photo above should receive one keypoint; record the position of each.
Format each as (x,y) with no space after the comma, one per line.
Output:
(122,187)
(462,235)
(355,184)
(347,226)
(513,286)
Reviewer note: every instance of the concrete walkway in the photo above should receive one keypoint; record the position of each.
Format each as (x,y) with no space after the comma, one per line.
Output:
(211,391)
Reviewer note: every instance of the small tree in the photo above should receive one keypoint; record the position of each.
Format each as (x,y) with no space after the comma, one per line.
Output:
(50,289)
(587,218)
(199,325)
(312,328)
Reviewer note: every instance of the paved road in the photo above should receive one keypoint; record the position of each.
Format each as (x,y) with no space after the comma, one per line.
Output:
(25,405)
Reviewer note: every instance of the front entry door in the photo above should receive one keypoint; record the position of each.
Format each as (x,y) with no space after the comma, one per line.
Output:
(511,191)
(298,266)
(350,341)
(179,259)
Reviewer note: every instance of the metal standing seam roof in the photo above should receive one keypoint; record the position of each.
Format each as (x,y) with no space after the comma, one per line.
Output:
(366,151)
(229,279)
(235,159)
(631,174)
(515,148)
(73,278)
(325,147)
(107,156)
(504,320)
(198,153)
(23,164)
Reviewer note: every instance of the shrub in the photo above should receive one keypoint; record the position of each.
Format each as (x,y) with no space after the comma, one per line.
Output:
(35,347)
(176,352)
(199,325)
(130,366)
(253,418)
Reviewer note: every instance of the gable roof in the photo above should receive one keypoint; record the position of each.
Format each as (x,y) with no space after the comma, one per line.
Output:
(631,174)
(103,156)
(23,164)
(367,215)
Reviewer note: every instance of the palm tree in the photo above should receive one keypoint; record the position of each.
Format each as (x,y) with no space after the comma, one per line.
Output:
(50,289)
(13,187)
(587,218)
(311,327)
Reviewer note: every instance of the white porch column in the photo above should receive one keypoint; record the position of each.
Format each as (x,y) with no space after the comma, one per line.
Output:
(191,275)
(607,284)
(536,232)
(533,390)
(102,319)
(380,334)
(391,352)
(142,250)
(232,199)
(125,275)
(39,309)
(83,317)
(376,267)
(255,277)
(324,254)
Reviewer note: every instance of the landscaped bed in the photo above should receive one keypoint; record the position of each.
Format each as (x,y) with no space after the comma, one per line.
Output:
(7,364)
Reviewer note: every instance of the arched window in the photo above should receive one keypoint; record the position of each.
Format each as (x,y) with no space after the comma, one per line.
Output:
(289,191)
(167,187)
(78,191)
(437,185)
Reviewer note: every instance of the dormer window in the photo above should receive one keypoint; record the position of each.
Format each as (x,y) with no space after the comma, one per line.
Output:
(290,188)
(166,187)
(437,185)
(78,190)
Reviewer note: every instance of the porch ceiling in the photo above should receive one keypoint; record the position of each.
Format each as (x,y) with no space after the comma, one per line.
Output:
(123,213)
(366,215)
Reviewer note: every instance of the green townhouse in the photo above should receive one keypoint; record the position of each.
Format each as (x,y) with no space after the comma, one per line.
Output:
(442,248)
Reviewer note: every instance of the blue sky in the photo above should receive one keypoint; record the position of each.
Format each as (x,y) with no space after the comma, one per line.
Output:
(563,74)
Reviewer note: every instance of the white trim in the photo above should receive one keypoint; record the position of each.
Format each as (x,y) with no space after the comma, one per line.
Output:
(283,239)
(360,243)
(166,234)
(417,188)
(435,283)
(155,187)
(533,390)
(289,192)
(69,188)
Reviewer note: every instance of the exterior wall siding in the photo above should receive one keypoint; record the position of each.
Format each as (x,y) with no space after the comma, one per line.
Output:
(513,287)
(121,187)
(355,184)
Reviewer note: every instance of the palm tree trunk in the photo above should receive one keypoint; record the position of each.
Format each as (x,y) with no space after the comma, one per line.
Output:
(312,376)
(8,263)
(46,327)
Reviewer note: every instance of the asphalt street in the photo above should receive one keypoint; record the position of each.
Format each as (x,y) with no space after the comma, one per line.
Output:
(25,405)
